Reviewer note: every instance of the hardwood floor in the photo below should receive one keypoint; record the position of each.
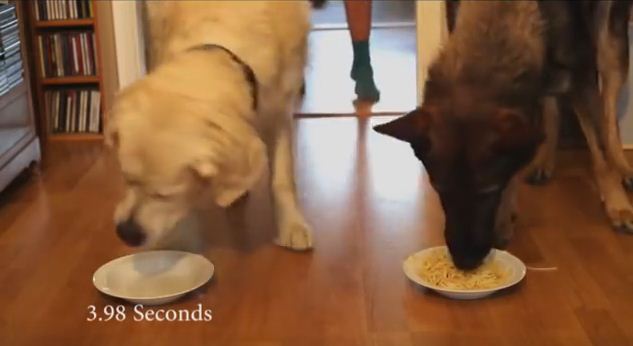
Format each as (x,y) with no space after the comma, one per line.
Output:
(370,205)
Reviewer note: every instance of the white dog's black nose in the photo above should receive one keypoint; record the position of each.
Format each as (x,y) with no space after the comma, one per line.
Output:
(130,232)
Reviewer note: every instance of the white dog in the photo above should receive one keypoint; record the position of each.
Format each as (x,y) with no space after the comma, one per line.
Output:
(214,110)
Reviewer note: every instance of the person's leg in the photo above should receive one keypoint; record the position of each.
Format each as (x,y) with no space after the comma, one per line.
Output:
(358,14)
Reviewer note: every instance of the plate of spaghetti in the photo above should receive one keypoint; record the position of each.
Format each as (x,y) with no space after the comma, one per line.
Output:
(433,268)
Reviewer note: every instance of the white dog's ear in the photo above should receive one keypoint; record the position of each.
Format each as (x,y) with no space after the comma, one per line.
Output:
(111,137)
(204,169)
(240,171)
(111,132)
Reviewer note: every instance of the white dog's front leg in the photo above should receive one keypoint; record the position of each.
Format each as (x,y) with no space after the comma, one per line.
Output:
(293,230)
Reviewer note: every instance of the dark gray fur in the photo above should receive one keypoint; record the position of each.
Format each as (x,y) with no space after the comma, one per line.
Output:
(497,79)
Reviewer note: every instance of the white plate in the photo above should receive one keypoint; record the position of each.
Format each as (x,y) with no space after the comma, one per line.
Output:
(505,260)
(153,277)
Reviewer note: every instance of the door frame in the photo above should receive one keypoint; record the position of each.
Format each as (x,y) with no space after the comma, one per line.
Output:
(431,32)
(129,41)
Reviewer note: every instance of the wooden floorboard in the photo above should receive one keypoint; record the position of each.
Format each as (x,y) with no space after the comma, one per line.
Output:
(370,206)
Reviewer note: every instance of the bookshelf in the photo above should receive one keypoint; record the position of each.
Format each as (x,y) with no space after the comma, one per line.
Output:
(68,82)
(86,22)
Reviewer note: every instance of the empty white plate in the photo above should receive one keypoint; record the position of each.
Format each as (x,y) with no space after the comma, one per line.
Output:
(153,277)
(507,262)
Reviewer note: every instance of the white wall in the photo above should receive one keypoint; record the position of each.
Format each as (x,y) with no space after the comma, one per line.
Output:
(128,39)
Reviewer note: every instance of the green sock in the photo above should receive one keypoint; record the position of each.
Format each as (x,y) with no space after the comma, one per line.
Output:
(361,57)
(363,74)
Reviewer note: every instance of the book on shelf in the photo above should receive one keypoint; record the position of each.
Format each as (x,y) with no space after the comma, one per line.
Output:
(11,66)
(7,13)
(9,30)
(65,54)
(74,110)
(63,9)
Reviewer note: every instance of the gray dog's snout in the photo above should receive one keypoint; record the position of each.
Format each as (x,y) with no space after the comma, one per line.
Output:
(130,232)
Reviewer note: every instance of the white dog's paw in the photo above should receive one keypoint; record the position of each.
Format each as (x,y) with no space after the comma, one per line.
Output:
(621,217)
(616,203)
(542,168)
(295,234)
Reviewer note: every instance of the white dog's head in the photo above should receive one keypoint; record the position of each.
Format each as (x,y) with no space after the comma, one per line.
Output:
(175,152)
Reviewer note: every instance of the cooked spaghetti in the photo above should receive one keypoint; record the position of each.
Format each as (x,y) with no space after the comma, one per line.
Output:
(438,269)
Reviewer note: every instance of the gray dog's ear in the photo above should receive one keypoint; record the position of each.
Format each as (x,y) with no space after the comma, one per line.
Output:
(410,127)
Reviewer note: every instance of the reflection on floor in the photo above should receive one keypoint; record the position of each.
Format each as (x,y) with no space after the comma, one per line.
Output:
(329,89)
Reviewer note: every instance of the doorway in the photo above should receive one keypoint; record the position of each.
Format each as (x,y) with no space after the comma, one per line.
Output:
(393,45)
(402,53)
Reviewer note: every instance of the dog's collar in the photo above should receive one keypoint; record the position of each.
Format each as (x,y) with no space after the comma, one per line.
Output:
(249,74)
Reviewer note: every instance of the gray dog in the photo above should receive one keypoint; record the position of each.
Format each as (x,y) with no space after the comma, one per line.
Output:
(491,107)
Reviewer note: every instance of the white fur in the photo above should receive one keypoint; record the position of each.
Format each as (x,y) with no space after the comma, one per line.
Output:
(187,133)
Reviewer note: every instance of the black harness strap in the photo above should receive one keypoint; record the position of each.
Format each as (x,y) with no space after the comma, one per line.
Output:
(249,74)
